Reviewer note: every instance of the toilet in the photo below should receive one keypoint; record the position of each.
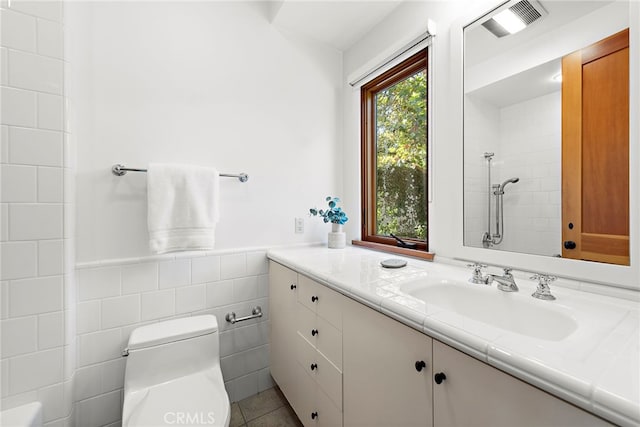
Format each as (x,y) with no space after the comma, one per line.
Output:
(173,376)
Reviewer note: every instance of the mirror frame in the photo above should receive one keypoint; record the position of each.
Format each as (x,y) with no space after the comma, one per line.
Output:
(627,277)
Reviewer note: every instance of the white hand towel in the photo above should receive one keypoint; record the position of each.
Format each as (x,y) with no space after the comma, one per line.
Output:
(182,207)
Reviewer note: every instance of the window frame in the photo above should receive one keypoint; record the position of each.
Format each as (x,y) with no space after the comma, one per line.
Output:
(415,63)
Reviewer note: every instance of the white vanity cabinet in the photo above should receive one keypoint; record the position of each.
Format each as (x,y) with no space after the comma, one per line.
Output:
(477,394)
(308,324)
(339,362)
(283,291)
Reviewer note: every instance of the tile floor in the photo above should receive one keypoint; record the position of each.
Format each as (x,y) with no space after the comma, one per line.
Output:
(266,409)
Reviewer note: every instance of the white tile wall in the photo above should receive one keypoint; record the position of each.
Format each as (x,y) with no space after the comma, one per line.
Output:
(174,273)
(98,283)
(34,296)
(190,299)
(205,269)
(99,346)
(138,292)
(52,399)
(139,278)
(120,311)
(38,354)
(18,106)
(19,336)
(50,111)
(35,370)
(35,72)
(19,260)
(232,266)
(50,257)
(35,147)
(51,330)
(47,9)
(50,41)
(99,411)
(88,317)
(18,31)
(35,221)
(4,70)
(19,183)
(156,305)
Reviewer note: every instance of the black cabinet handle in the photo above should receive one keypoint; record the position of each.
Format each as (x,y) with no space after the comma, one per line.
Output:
(569,244)
(314,298)
(420,364)
(439,377)
(314,332)
(293,287)
(314,366)
(314,415)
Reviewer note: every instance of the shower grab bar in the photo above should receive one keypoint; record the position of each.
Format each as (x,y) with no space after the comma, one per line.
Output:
(120,170)
(256,312)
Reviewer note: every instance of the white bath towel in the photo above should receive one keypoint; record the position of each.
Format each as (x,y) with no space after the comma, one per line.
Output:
(183,207)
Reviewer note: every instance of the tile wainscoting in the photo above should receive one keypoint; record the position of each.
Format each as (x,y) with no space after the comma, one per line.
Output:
(115,297)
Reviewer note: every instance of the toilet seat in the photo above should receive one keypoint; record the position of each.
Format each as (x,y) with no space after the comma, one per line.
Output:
(195,400)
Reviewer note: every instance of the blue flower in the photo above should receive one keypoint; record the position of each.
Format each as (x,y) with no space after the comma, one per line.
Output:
(334,214)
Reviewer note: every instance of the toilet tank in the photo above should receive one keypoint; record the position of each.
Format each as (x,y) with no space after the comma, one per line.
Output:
(171,349)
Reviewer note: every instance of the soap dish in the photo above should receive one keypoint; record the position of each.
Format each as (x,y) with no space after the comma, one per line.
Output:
(393,263)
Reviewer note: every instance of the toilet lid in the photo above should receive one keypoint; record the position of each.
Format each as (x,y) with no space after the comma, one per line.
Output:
(195,400)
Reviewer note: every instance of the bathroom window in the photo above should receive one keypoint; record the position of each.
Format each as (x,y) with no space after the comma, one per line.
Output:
(394,155)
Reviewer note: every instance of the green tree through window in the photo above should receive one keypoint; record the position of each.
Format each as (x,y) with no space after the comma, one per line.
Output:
(401,158)
(394,129)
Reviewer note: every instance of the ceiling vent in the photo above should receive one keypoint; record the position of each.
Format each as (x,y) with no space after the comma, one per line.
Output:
(515,18)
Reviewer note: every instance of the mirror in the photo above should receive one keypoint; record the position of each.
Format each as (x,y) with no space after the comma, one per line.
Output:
(538,178)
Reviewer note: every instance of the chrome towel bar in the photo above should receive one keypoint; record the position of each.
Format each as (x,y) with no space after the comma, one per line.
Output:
(120,170)
(256,312)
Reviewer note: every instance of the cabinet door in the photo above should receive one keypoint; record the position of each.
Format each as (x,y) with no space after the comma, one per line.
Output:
(476,394)
(382,386)
(283,286)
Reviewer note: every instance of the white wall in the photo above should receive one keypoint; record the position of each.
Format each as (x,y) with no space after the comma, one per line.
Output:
(37,298)
(208,83)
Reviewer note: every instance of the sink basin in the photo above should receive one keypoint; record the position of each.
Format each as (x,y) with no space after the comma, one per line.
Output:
(510,311)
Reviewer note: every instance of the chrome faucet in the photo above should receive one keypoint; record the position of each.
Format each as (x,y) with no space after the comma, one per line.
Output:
(506,282)
(543,291)
(476,276)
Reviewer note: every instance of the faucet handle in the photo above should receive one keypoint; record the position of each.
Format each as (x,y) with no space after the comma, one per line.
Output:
(507,271)
(543,291)
(477,267)
(477,276)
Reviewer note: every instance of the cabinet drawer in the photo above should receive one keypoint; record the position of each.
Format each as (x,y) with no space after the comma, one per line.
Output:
(321,300)
(329,415)
(325,374)
(320,333)
(329,341)
(304,400)
(329,378)
(306,355)
(306,323)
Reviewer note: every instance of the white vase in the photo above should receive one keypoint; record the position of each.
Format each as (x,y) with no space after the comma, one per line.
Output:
(337,237)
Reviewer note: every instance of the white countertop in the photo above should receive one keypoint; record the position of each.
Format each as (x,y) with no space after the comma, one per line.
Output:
(596,367)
